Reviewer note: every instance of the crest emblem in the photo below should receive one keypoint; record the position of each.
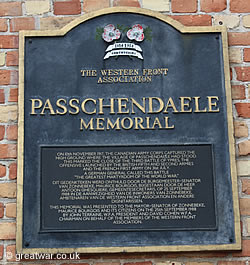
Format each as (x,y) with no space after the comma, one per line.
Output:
(111,33)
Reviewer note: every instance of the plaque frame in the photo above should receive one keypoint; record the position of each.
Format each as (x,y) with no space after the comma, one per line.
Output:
(173,248)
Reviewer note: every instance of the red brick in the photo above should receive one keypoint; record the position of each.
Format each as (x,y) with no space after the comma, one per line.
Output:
(76,263)
(5,77)
(8,42)
(1,210)
(1,252)
(243,73)
(11,249)
(8,77)
(184,6)
(246,186)
(244,148)
(245,252)
(2,171)
(196,263)
(196,255)
(14,77)
(238,38)
(133,3)
(12,58)
(106,263)
(3,25)
(139,263)
(8,151)
(13,96)
(240,6)
(11,9)
(213,5)
(243,109)
(22,23)
(196,20)
(7,231)
(244,206)
(2,96)
(92,5)
(67,8)
(13,171)
(11,210)
(238,92)
(11,132)
(247,55)
(240,129)
(232,262)
(2,132)
(127,256)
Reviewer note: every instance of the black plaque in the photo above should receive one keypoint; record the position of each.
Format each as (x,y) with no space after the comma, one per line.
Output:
(125,140)
(127,188)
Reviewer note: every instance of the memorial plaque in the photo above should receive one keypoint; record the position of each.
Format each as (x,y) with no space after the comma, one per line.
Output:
(127,188)
(125,137)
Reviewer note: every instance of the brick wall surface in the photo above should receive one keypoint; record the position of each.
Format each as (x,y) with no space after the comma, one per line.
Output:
(48,14)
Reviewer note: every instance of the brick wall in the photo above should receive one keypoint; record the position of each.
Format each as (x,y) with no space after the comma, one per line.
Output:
(46,14)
